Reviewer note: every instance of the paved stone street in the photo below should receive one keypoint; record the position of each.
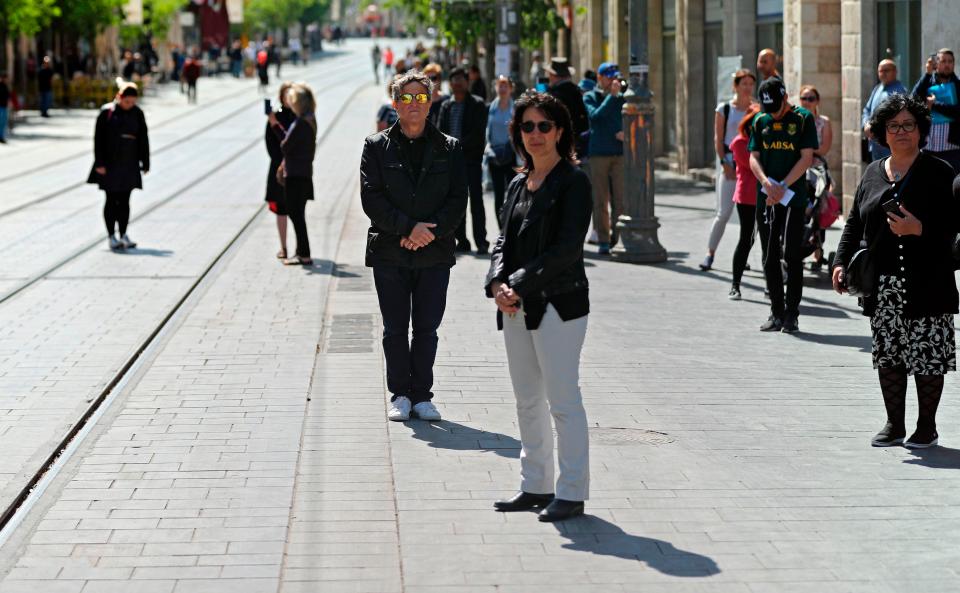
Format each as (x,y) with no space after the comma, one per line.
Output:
(246,450)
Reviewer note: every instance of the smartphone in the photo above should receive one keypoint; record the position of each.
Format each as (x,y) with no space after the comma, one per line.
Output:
(543,83)
(892,207)
(267,107)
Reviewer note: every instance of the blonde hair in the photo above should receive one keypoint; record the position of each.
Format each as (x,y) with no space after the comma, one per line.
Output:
(432,68)
(300,98)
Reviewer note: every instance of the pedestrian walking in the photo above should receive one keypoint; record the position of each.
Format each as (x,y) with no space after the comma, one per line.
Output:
(726,120)
(387,62)
(940,88)
(121,150)
(295,48)
(275,197)
(563,88)
(501,159)
(434,72)
(191,73)
(782,143)
(45,86)
(537,70)
(464,117)
(413,188)
(375,55)
(263,63)
(767,65)
(4,106)
(538,280)
(888,85)
(604,106)
(236,59)
(905,211)
(298,145)
(744,197)
(478,87)
(275,54)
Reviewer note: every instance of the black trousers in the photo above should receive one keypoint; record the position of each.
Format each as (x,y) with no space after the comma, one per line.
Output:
(478,215)
(747,215)
(116,211)
(418,295)
(192,92)
(500,175)
(296,192)
(781,236)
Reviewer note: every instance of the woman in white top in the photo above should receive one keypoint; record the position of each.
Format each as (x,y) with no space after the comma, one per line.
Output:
(725,121)
(810,100)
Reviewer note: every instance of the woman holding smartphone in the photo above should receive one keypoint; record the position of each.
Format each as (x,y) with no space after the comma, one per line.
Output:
(905,214)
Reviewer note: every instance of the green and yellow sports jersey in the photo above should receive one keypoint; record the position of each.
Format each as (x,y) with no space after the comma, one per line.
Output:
(779,143)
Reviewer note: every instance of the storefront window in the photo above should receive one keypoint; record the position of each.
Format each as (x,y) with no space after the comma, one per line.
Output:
(899,37)
(770,25)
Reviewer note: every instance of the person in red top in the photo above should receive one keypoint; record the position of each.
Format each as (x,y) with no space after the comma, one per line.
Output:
(191,72)
(745,197)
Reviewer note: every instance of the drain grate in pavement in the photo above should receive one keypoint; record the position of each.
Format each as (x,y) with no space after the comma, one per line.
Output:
(625,436)
(349,334)
(353,278)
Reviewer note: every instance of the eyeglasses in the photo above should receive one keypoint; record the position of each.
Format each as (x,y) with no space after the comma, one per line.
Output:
(808,98)
(907,127)
(407,98)
(435,78)
(544,126)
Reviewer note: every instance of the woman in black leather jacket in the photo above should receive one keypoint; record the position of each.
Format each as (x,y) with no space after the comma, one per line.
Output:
(538,280)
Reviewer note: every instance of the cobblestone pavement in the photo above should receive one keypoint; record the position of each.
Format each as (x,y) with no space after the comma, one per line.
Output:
(250,453)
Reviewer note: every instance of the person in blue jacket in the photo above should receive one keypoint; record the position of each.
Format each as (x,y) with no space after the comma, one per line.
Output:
(604,105)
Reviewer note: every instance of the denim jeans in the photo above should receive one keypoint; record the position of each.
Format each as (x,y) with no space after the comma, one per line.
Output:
(46,101)
(3,122)
(420,295)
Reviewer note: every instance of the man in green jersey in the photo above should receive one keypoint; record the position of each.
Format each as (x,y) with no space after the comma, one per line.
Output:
(781,150)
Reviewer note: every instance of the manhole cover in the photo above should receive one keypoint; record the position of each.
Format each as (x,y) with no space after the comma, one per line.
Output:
(619,436)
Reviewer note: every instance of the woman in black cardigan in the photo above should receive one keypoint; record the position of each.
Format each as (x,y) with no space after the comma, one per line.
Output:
(299,146)
(915,300)
(537,278)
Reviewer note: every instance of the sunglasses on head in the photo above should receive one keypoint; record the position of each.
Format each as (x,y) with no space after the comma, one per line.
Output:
(407,98)
(544,126)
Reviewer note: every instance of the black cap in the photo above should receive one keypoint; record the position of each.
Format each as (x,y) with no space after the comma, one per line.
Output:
(772,93)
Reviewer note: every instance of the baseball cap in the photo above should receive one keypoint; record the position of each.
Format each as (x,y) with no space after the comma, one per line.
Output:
(772,92)
(608,69)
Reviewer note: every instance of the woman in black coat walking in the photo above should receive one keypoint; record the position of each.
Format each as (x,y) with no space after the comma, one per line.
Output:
(905,214)
(121,151)
(274,195)
(298,144)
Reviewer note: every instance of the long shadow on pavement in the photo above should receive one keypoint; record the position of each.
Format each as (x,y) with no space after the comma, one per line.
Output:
(936,457)
(597,536)
(457,437)
(145,251)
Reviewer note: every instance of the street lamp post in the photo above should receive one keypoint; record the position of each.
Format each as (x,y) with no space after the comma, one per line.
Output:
(638,225)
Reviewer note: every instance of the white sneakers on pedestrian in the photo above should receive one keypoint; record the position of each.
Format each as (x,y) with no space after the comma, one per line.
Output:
(426,411)
(126,242)
(399,410)
(114,243)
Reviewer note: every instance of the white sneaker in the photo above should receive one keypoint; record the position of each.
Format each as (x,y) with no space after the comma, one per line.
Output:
(399,410)
(114,244)
(426,411)
(126,242)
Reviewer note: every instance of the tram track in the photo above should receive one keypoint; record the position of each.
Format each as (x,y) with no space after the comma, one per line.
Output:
(13,512)
(348,66)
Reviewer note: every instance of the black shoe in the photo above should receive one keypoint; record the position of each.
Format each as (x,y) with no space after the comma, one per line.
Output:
(790,324)
(922,438)
(560,510)
(523,501)
(746,268)
(889,436)
(734,294)
(464,247)
(772,324)
(483,249)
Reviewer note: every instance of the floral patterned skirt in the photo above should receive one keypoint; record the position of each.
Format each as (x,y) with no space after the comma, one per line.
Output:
(924,346)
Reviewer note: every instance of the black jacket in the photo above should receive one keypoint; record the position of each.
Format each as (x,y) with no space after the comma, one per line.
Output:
(921,90)
(474,130)
(396,202)
(299,147)
(121,144)
(550,237)
(927,260)
(569,94)
(273,139)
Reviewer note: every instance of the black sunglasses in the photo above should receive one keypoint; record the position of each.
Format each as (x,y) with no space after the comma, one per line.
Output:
(544,126)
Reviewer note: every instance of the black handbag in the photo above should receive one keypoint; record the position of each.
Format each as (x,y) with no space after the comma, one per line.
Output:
(860,277)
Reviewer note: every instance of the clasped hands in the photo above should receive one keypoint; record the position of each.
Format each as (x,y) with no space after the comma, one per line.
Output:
(774,191)
(419,237)
(507,300)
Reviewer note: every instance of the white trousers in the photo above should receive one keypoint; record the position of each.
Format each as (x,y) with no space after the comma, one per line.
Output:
(724,192)
(545,371)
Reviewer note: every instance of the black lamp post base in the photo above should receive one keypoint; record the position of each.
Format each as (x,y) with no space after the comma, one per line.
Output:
(638,241)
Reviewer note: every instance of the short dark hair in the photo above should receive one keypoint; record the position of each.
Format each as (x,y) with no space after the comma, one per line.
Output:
(945,50)
(409,77)
(889,110)
(458,71)
(553,110)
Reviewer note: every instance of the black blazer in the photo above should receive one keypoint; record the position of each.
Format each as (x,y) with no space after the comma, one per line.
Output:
(121,144)
(927,260)
(396,202)
(474,130)
(550,239)
(921,90)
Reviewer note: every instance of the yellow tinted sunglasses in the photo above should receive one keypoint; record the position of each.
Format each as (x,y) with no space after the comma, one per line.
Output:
(407,98)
